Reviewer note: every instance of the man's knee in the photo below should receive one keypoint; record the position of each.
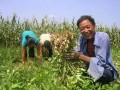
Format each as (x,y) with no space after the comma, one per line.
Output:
(107,77)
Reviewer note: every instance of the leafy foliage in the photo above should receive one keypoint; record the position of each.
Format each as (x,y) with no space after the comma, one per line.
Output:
(55,73)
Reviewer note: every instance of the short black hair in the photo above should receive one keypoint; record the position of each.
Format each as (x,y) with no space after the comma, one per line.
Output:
(47,44)
(86,17)
(30,40)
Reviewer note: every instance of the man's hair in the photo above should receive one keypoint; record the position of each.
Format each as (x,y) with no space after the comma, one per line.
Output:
(30,40)
(47,44)
(86,17)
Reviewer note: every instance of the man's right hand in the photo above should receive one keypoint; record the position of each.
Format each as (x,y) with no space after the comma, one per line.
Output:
(39,59)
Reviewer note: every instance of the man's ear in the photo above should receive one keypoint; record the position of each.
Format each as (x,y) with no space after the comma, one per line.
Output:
(94,26)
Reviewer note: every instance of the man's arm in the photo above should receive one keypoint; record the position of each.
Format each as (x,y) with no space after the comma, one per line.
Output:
(78,55)
(41,49)
(39,53)
(24,58)
(84,58)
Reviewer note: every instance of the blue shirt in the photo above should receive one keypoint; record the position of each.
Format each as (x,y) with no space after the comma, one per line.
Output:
(103,57)
(31,34)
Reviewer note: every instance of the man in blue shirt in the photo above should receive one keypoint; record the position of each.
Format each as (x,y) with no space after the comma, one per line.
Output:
(94,49)
(29,39)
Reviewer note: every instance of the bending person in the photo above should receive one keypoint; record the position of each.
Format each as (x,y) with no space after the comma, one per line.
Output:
(45,41)
(29,39)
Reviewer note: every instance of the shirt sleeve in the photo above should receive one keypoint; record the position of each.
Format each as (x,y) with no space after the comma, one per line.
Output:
(37,41)
(24,42)
(95,67)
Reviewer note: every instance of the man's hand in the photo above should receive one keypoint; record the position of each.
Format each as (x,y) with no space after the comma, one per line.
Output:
(72,55)
(39,59)
(23,62)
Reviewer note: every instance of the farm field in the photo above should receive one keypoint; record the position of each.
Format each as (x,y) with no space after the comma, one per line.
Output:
(54,73)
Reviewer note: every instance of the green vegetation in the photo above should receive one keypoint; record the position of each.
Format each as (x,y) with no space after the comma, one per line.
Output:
(55,73)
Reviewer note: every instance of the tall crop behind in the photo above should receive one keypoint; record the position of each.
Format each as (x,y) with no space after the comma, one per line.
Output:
(11,29)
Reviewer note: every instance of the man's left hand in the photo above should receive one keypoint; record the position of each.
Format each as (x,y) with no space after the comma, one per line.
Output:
(72,55)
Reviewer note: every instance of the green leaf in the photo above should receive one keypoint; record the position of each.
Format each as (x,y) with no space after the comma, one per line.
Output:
(15,85)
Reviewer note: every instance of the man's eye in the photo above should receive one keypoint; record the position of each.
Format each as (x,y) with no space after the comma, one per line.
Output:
(87,26)
(81,28)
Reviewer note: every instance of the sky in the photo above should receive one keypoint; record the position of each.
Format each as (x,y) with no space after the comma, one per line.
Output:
(105,12)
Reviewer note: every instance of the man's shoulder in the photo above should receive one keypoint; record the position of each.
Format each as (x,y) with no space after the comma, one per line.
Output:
(45,35)
(102,34)
(28,31)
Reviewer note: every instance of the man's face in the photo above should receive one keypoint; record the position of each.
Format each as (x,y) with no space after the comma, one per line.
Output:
(87,29)
(32,45)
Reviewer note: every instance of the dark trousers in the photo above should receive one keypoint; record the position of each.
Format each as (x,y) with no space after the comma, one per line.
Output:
(31,52)
(48,46)
(50,52)
(107,77)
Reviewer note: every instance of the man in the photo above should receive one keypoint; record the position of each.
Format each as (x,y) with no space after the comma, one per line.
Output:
(94,49)
(45,42)
(29,39)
